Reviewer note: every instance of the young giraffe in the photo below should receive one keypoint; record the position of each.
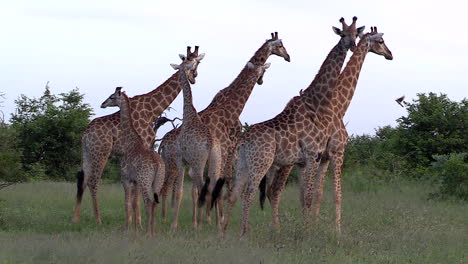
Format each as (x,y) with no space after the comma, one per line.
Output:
(196,145)
(102,136)
(140,166)
(337,138)
(225,124)
(295,136)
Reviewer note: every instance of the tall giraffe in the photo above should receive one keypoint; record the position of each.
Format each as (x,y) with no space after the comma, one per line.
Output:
(345,87)
(141,167)
(102,136)
(338,136)
(293,137)
(225,124)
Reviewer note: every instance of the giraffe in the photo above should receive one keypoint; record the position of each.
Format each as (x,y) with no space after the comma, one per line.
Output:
(338,136)
(225,124)
(196,144)
(102,136)
(293,137)
(346,85)
(140,165)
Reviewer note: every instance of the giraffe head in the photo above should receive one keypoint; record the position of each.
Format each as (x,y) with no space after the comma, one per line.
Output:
(192,59)
(114,99)
(276,47)
(349,33)
(190,63)
(377,45)
(260,70)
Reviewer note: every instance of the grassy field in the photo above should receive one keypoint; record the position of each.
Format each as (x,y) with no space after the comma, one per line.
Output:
(381,224)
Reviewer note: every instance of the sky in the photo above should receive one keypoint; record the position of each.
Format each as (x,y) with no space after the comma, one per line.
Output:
(96,45)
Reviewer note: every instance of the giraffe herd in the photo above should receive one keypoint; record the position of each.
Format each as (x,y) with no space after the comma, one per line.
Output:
(309,133)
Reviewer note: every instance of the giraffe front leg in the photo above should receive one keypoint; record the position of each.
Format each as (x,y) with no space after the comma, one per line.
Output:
(308,176)
(337,167)
(318,189)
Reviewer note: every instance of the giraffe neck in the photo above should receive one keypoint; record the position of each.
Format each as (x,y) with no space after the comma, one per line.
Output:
(130,135)
(239,92)
(259,58)
(190,113)
(319,92)
(155,102)
(347,82)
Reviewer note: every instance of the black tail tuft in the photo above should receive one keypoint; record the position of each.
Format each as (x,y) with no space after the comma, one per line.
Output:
(204,190)
(217,191)
(156,198)
(262,188)
(79,184)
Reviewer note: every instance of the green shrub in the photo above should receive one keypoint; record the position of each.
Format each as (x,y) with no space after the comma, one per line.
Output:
(450,173)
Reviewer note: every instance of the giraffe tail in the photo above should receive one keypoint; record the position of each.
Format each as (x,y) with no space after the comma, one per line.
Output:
(262,188)
(79,185)
(204,190)
(156,198)
(217,191)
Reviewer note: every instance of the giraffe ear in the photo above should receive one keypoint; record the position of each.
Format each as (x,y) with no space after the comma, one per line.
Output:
(360,31)
(200,57)
(175,66)
(266,65)
(337,31)
(250,65)
(182,57)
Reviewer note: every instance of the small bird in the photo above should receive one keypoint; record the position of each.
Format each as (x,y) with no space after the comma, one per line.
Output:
(400,100)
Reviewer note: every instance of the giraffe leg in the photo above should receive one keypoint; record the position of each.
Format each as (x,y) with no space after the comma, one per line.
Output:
(149,209)
(308,175)
(92,166)
(274,192)
(127,203)
(318,189)
(136,195)
(337,167)
(178,195)
(81,186)
(196,171)
(93,187)
(167,186)
(195,216)
(247,198)
(234,193)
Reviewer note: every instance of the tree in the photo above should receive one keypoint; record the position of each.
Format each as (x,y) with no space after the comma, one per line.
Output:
(10,156)
(435,125)
(49,130)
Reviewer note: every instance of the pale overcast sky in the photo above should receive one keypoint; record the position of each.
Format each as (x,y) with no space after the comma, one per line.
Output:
(98,45)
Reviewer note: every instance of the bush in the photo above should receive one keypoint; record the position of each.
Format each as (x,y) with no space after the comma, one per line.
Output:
(49,133)
(450,173)
(10,157)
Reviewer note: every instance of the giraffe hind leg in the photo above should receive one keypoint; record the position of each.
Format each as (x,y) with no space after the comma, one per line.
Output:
(80,186)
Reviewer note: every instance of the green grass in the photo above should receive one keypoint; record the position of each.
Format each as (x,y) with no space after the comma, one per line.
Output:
(381,224)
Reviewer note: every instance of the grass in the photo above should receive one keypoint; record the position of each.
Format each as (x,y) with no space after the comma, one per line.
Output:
(381,224)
